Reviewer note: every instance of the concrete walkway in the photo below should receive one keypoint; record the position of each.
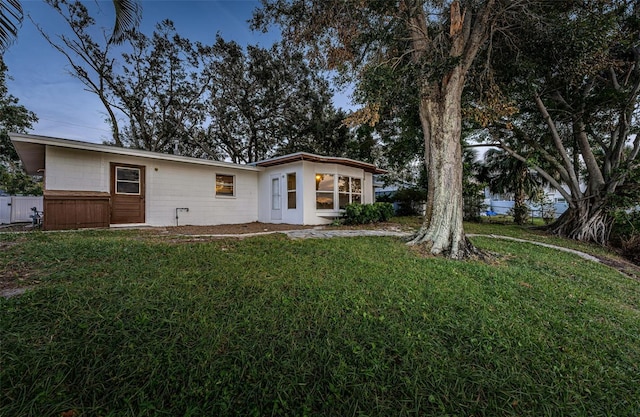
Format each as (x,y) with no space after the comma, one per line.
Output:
(329,233)
(307,234)
(546,245)
(324,234)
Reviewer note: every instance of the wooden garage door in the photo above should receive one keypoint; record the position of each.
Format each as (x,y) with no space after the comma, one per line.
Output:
(127,194)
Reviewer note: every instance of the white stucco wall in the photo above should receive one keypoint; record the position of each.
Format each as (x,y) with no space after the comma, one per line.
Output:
(168,185)
(173,184)
(305,211)
(75,170)
(289,216)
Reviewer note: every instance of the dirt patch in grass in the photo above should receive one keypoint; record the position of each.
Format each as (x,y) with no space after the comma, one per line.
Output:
(257,227)
(16,227)
(625,267)
(15,277)
(234,229)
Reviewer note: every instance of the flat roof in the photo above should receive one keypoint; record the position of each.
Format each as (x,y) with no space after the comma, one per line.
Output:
(31,149)
(305,156)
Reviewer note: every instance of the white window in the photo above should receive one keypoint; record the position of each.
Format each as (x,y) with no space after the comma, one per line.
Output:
(127,180)
(324,191)
(225,185)
(343,190)
(349,191)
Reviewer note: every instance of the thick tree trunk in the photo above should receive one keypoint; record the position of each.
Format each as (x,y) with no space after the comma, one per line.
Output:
(441,118)
(586,221)
(440,114)
(520,208)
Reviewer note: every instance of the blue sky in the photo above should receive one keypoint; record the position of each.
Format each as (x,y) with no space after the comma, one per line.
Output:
(40,74)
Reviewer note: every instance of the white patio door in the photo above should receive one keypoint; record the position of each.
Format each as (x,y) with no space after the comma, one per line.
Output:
(276,198)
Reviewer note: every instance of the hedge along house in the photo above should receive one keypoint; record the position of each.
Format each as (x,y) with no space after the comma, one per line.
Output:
(90,185)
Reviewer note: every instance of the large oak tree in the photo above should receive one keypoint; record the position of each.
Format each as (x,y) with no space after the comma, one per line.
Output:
(576,79)
(435,44)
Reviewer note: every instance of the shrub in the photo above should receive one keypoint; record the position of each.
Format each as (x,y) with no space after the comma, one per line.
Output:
(410,201)
(473,201)
(625,233)
(385,211)
(626,223)
(631,248)
(367,213)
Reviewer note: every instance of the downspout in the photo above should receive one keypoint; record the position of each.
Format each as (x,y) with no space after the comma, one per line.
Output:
(178,209)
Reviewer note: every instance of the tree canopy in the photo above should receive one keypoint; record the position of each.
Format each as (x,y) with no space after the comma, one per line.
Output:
(575,76)
(412,51)
(127,12)
(168,94)
(13,118)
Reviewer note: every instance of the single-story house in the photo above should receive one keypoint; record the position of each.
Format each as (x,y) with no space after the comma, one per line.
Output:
(94,185)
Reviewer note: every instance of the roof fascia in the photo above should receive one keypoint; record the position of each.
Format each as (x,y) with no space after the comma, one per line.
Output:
(95,147)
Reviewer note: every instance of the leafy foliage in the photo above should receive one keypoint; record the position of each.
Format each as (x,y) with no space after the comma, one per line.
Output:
(220,101)
(266,102)
(11,16)
(14,181)
(576,80)
(355,213)
(505,174)
(410,200)
(627,222)
(626,233)
(161,91)
(13,118)
(473,186)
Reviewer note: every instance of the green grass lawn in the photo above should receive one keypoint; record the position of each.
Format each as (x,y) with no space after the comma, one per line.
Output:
(123,324)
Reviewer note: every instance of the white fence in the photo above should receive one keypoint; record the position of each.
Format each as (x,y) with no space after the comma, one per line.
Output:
(18,209)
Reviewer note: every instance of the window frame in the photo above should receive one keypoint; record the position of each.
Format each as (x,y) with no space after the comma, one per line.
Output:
(138,182)
(217,193)
(276,193)
(292,192)
(319,177)
(338,193)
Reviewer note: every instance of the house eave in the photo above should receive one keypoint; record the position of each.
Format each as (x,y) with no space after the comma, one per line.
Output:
(31,149)
(304,156)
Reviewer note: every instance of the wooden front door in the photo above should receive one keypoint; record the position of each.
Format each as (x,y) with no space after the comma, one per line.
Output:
(127,194)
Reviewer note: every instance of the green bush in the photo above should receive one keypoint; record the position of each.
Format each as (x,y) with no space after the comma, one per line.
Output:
(626,233)
(410,201)
(626,223)
(367,213)
(473,201)
(385,211)
(631,248)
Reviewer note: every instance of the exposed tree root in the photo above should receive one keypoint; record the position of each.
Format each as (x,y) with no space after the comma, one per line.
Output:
(462,249)
(583,226)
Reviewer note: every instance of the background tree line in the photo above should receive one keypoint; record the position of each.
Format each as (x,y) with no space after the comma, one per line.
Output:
(166,93)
